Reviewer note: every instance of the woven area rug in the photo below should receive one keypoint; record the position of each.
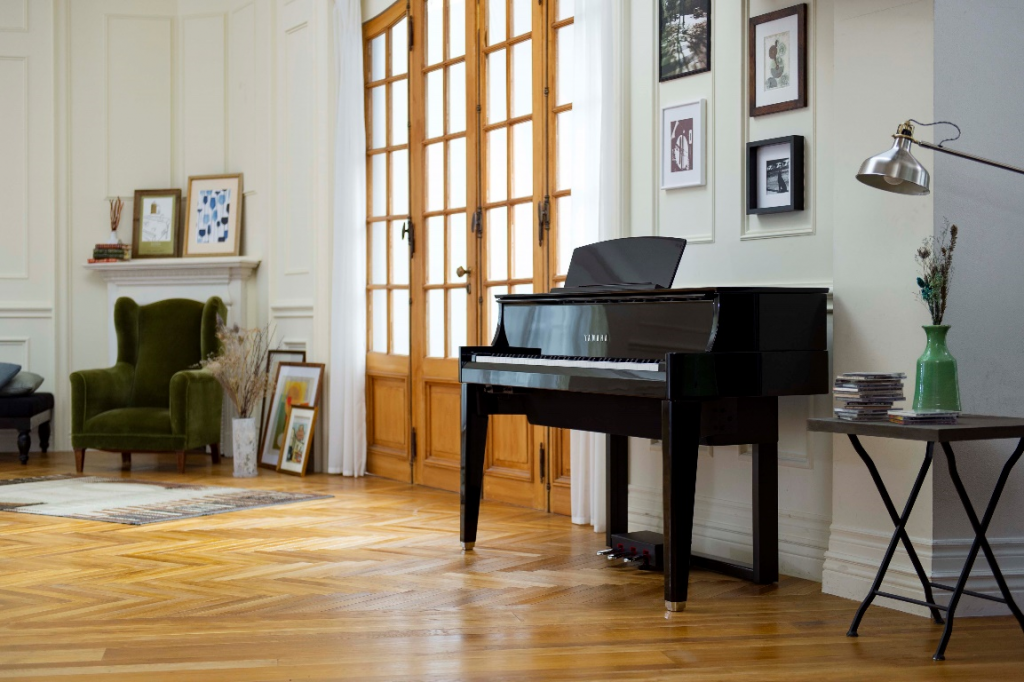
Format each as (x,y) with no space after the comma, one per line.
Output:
(121,500)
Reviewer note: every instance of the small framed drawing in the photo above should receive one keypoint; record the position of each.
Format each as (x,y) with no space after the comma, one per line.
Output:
(777,63)
(298,441)
(156,223)
(682,145)
(274,359)
(296,383)
(214,226)
(775,175)
(684,37)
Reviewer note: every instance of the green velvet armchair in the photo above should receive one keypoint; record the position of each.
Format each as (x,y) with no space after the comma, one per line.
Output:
(154,399)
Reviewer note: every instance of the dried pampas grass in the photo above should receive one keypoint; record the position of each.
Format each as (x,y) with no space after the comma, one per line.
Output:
(241,366)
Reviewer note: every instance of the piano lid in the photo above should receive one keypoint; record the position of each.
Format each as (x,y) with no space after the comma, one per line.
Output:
(633,263)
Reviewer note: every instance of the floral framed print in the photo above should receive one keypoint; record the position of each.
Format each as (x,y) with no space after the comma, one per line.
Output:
(684,37)
(156,223)
(777,63)
(274,359)
(214,226)
(682,145)
(296,383)
(298,440)
(775,175)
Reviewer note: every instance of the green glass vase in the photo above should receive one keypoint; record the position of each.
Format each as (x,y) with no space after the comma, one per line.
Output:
(936,387)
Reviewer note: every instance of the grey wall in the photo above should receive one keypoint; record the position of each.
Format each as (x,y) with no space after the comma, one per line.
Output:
(979,84)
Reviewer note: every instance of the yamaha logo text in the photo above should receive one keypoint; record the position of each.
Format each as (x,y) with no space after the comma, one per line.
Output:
(596,337)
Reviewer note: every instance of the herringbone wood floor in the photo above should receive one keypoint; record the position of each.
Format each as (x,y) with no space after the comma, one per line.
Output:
(371,585)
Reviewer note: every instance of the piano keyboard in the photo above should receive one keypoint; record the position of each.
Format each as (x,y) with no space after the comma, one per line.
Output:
(568,361)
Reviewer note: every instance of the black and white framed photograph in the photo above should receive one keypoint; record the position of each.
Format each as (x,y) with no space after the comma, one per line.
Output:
(682,145)
(684,37)
(775,175)
(777,61)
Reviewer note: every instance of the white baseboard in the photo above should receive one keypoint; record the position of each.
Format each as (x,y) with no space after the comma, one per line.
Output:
(724,528)
(854,555)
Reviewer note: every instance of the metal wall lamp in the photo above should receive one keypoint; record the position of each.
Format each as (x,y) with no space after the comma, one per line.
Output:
(898,171)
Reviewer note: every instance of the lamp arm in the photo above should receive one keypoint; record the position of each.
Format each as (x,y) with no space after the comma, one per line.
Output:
(969,157)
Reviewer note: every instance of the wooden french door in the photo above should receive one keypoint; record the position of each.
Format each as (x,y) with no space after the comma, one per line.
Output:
(490,121)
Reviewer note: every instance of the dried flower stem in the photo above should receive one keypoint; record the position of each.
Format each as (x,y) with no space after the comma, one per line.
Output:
(115,213)
(935,257)
(241,366)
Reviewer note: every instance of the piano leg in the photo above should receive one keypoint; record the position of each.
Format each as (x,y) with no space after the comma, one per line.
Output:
(474,442)
(765,476)
(617,486)
(680,439)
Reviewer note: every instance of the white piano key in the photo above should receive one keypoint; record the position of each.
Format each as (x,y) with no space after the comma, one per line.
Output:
(586,363)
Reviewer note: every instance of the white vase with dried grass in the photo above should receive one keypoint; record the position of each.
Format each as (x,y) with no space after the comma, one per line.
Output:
(241,370)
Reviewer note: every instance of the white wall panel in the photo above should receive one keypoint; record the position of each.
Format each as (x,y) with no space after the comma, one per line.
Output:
(139,84)
(14,15)
(204,95)
(298,93)
(14,171)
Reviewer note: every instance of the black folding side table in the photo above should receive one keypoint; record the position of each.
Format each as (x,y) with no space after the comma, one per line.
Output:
(968,427)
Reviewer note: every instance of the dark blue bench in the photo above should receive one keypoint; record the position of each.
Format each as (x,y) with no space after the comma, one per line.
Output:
(24,413)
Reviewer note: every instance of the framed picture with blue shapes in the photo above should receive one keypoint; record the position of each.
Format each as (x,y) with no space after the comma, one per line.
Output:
(214,215)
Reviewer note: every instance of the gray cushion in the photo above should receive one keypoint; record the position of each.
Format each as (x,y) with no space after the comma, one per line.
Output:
(7,372)
(23,383)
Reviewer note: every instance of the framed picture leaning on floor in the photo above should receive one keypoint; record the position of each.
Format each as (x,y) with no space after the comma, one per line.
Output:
(296,383)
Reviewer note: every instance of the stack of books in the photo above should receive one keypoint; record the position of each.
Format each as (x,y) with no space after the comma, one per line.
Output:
(111,253)
(867,396)
(910,417)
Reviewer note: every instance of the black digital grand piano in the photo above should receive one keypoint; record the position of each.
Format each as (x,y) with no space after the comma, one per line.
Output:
(617,351)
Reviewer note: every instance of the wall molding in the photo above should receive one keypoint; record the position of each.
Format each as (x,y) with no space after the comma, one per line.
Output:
(23,310)
(23,26)
(292,309)
(854,555)
(26,227)
(23,342)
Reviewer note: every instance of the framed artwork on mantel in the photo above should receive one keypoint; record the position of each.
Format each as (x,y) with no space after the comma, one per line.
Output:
(777,63)
(214,226)
(156,223)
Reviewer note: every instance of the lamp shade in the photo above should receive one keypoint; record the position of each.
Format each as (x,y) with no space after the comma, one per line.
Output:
(896,170)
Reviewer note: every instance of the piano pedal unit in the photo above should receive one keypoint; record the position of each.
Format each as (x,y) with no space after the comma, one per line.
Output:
(643,548)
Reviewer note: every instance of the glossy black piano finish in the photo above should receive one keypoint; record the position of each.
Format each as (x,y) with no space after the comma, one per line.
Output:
(724,355)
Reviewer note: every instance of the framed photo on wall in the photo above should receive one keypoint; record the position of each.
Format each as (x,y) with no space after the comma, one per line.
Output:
(156,223)
(682,145)
(775,175)
(684,37)
(296,383)
(214,226)
(777,63)
(298,440)
(274,359)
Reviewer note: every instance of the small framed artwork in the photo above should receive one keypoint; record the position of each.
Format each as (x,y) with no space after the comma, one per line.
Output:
(777,63)
(274,359)
(296,383)
(682,145)
(214,225)
(156,223)
(298,441)
(684,36)
(775,175)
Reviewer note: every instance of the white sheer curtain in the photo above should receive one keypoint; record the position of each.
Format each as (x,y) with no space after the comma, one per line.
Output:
(346,453)
(596,199)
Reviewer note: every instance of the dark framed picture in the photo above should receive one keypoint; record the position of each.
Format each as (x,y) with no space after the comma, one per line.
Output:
(296,383)
(777,64)
(775,175)
(274,359)
(298,442)
(684,36)
(156,223)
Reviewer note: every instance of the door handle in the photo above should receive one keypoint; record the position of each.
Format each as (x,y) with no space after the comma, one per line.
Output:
(462,272)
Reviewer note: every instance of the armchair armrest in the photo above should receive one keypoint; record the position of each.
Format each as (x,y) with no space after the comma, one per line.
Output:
(94,391)
(196,399)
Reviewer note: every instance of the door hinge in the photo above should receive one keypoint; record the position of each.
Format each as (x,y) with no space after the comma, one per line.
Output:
(543,218)
(476,225)
(408,230)
(412,445)
(543,464)
(410,30)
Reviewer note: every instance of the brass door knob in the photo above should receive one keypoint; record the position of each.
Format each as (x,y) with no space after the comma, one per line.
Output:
(462,272)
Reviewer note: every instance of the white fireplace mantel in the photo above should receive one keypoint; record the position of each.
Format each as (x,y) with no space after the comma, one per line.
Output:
(147,280)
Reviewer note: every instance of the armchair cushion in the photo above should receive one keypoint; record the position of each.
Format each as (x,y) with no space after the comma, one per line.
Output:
(132,428)
(169,341)
(196,398)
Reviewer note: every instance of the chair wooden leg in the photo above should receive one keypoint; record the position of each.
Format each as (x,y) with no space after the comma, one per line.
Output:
(79,459)
(126,461)
(181,461)
(215,452)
